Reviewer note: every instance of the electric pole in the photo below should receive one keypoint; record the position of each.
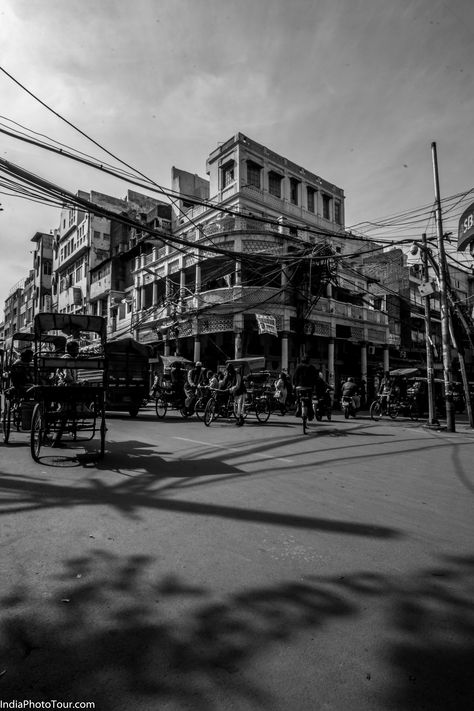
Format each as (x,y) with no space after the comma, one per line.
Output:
(447,370)
(432,421)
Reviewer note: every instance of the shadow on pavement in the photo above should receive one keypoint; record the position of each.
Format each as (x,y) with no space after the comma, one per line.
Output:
(112,634)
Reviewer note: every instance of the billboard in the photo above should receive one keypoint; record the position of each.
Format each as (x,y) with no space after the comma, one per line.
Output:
(466,229)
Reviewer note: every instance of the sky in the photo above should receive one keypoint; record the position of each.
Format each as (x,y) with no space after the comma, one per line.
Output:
(353,90)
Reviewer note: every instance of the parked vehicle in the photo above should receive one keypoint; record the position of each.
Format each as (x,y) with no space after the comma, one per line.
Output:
(167,397)
(127,374)
(16,403)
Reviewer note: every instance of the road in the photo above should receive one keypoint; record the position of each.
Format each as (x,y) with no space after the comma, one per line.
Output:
(241,568)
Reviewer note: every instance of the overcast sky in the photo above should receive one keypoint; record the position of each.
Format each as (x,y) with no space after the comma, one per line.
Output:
(353,90)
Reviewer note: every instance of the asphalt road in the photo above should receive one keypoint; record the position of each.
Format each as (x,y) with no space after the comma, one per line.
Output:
(241,568)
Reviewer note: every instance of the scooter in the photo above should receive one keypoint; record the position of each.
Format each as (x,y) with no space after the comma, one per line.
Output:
(349,406)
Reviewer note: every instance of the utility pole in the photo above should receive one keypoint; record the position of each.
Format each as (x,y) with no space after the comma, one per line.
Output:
(447,370)
(432,421)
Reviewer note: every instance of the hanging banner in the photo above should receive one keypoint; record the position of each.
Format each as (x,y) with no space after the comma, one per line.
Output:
(266,324)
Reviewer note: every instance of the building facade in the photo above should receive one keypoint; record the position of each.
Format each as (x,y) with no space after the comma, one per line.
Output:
(204,305)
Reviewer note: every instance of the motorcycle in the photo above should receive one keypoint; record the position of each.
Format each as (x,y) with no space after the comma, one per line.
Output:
(322,407)
(349,406)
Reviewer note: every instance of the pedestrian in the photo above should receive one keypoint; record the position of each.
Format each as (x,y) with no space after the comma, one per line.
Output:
(239,391)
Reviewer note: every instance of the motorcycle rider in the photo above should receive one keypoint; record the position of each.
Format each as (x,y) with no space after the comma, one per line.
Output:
(350,389)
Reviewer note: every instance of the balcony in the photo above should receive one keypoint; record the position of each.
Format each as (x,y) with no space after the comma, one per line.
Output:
(100,287)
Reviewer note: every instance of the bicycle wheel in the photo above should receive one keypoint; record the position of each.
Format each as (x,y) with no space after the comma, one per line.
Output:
(262,410)
(160,407)
(210,412)
(329,414)
(375,410)
(304,417)
(200,407)
(37,432)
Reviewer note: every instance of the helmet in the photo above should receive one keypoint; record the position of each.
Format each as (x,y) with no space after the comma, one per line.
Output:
(198,364)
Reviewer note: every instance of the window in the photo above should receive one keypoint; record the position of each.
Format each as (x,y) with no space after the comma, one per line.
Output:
(253,174)
(294,185)
(46,267)
(78,274)
(96,234)
(337,212)
(327,207)
(311,192)
(274,183)
(228,174)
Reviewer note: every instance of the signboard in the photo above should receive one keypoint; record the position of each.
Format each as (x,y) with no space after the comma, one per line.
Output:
(266,324)
(466,229)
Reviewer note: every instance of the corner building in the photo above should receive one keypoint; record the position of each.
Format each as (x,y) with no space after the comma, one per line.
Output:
(204,305)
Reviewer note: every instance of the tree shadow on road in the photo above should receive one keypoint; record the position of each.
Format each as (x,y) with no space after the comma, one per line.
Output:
(112,633)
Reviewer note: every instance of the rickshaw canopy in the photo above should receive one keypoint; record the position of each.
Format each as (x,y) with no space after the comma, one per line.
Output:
(68,323)
(248,365)
(405,372)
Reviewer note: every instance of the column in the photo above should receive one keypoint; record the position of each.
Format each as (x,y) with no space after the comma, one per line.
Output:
(182,284)
(238,273)
(386,359)
(238,344)
(284,351)
(332,363)
(155,292)
(363,361)
(197,349)
(197,286)
(167,348)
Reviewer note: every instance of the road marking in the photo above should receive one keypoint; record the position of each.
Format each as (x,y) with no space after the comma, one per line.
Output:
(234,449)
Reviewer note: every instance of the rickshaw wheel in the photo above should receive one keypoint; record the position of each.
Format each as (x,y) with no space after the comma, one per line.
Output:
(160,407)
(6,421)
(103,430)
(37,432)
(184,412)
(262,410)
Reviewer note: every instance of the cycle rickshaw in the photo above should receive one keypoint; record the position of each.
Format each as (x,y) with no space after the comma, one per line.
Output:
(166,397)
(75,410)
(16,401)
(259,395)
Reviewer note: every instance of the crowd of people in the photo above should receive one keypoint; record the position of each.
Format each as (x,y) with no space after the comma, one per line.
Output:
(183,384)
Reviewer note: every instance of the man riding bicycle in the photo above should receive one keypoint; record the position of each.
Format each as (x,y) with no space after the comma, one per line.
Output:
(305,377)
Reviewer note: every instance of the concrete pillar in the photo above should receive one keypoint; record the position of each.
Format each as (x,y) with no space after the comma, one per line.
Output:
(182,283)
(386,358)
(331,362)
(363,361)
(167,348)
(197,349)
(197,286)
(155,292)
(138,295)
(284,351)
(238,345)
(238,273)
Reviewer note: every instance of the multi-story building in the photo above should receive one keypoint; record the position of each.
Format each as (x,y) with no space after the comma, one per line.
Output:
(397,278)
(13,311)
(281,229)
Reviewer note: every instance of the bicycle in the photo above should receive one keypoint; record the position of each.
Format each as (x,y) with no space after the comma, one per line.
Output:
(303,404)
(220,404)
(383,405)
